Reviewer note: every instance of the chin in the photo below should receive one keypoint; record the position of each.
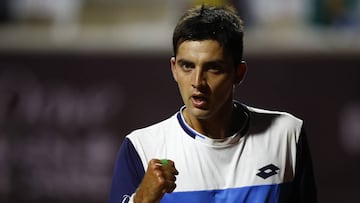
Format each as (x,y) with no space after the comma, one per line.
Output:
(200,113)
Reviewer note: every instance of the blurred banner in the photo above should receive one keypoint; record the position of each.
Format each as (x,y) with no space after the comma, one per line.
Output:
(339,13)
(138,25)
(56,138)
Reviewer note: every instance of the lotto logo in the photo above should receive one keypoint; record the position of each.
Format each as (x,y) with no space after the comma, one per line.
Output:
(267,171)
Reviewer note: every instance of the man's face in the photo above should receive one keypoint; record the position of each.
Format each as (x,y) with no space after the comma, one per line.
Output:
(205,78)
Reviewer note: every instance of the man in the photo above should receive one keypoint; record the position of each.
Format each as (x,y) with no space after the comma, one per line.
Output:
(214,149)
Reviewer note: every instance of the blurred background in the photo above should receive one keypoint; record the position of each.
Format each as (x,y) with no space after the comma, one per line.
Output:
(77,75)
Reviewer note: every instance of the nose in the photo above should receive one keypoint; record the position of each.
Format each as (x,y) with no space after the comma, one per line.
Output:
(198,78)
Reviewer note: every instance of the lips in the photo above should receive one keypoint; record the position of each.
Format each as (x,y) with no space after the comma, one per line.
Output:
(198,100)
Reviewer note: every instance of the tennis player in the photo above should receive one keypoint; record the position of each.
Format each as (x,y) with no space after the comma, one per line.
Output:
(214,149)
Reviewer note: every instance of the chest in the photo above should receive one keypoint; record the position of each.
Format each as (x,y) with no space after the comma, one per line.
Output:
(249,162)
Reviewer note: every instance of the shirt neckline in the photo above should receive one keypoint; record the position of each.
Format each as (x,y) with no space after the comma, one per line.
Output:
(234,138)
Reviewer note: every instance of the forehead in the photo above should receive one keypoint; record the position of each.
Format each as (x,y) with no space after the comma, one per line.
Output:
(201,50)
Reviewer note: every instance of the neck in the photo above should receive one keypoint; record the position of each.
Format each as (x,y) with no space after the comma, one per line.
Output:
(217,126)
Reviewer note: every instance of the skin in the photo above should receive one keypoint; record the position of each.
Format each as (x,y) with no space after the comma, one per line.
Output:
(206,77)
(158,180)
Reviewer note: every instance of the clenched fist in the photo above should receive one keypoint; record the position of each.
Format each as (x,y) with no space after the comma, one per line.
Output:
(158,180)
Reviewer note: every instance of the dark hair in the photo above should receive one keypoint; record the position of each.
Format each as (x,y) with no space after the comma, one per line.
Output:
(215,23)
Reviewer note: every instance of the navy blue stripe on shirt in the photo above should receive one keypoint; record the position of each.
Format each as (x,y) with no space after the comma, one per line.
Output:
(185,127)
(128,173)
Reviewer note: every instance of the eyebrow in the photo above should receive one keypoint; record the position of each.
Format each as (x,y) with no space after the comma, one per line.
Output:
(182,61)
(216,62)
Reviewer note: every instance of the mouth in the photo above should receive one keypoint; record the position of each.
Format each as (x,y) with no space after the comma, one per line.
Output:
(199,101)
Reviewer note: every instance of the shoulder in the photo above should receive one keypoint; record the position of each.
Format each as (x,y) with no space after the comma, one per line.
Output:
(152,141)
(279,116)
(274,121)
(156,130)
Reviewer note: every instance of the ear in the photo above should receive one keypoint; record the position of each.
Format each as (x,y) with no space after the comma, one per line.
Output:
(240,72)
(173,67)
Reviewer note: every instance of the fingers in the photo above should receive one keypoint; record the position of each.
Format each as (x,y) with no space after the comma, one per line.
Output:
(169,166)
(159,179)
(166,173)
(170,175)
(170,187)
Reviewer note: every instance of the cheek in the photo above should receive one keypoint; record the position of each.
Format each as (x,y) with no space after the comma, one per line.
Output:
(222,88)
(221,83)
(183,80)
(182,87)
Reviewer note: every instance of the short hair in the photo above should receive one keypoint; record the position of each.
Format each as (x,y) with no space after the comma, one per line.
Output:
(212,23)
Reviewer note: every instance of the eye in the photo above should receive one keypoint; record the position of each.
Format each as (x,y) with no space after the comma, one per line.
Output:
(186,66)
(215,68)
